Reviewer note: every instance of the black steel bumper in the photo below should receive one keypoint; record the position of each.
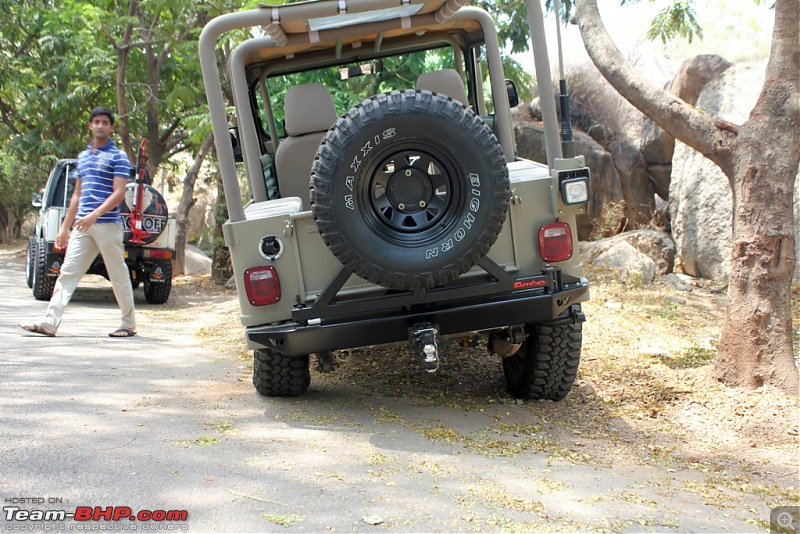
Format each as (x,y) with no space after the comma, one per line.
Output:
(490,312)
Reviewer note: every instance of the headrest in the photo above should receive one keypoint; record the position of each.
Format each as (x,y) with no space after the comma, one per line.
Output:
(308,108)
(446,81)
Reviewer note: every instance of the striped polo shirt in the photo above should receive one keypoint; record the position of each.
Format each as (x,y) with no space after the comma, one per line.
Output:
(97,171)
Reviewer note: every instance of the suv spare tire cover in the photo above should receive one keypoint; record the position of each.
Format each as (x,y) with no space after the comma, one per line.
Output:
(154,215)
(409,189)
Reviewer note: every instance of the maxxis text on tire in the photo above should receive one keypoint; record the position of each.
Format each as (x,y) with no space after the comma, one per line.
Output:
(158,292)
(42,283)
(30,257)
(409,189)
(279,375)
(546,364)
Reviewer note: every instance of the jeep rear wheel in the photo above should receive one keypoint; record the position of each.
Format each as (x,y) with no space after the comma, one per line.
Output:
(279,375)
(546,364)
(157,292)
(42,283)
(410,189)
(30,258)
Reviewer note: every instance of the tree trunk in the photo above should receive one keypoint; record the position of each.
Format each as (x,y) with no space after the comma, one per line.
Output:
(756,345)
(221,268)
(760,159)
(186,203)
(123,49)
(756,342)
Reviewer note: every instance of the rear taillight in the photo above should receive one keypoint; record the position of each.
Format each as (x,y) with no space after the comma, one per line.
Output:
(262,285)
(555,242)
(157,254)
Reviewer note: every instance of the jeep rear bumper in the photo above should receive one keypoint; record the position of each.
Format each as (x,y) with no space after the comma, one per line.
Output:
(491,312)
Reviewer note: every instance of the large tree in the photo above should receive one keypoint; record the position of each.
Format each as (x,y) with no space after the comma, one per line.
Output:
(760,158)
(42,95)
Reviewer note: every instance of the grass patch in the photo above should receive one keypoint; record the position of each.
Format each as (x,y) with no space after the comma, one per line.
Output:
(690,358)
(282,520)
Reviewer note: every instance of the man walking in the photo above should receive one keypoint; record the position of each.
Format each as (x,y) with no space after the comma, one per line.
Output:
(93,215)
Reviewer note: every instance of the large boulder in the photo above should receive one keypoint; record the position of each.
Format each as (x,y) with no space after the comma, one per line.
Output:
(606,189)
(643,253)
(700,195)
(657,145)
(197,262)
(635,184)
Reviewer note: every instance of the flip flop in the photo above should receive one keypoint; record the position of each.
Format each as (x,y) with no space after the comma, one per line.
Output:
(122,332)
(37,329)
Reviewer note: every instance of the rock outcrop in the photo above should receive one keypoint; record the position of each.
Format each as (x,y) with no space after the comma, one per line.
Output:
(700,195)
(658,146)
(644,253)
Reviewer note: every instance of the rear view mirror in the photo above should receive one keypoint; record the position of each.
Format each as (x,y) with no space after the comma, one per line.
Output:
(354,71)
(513,96)
(36,201)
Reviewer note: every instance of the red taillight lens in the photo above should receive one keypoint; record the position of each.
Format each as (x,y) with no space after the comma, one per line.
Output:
(555,242)
(262,285)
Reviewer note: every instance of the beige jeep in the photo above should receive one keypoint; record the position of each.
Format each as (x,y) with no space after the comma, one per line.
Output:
(385,202)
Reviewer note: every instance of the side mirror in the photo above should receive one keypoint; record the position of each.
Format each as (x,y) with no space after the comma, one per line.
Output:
(513,96)
(36,201)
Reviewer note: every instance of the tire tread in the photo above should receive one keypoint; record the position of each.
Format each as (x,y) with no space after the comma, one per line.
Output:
(279,375)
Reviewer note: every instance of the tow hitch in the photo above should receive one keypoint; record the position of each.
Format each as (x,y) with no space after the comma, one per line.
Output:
(423,339)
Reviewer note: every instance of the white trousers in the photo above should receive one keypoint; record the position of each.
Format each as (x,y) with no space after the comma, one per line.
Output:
(82,249)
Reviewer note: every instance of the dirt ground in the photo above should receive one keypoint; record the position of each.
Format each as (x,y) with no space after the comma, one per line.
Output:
(644,384)
(643,399)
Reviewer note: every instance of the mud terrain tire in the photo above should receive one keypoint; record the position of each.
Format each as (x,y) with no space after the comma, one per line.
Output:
(279,375)
(158,292)
(42,284)
(30,259)
(409,189)
(546,364)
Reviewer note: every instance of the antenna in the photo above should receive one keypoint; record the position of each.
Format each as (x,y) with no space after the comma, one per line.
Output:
(567,148)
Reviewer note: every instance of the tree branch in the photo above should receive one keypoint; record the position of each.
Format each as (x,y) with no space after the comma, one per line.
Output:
(7,116)
(710,136)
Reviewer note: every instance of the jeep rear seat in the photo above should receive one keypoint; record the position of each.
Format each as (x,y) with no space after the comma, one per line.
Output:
(445,81)
(449,82)
(308,113)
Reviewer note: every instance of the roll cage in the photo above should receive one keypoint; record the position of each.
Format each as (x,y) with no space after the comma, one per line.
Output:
(303,34)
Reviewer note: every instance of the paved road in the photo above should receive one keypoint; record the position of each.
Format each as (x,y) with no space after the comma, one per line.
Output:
(157,422)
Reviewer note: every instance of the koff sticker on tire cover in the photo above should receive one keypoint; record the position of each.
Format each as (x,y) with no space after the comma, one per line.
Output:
(154,214)
(410,189)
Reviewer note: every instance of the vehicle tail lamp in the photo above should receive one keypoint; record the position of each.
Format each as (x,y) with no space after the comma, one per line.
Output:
(157,254)
(555,242)
(262,285)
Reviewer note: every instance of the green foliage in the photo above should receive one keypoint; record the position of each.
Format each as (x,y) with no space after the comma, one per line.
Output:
(59,61)
(676,20)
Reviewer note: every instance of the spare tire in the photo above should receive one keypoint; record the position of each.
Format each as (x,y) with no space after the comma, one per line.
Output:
(154,214)
(409,189)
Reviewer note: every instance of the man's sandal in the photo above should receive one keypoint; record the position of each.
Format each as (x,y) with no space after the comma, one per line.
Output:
(122,332)
(37,329)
